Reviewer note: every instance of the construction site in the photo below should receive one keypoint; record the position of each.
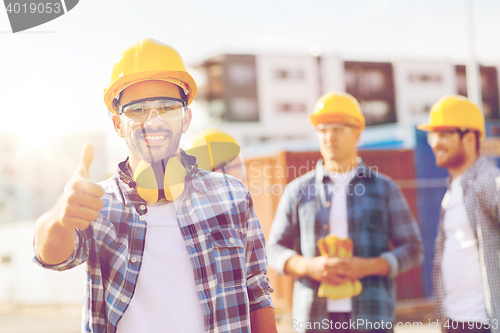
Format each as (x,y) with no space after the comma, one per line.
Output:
(265,100)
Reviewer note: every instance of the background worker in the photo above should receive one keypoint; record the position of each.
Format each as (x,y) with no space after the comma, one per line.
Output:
(467,252)
(342,197)
(169,247)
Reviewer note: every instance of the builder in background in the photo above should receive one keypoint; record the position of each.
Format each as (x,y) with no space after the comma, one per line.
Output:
(343,197)
(467,252)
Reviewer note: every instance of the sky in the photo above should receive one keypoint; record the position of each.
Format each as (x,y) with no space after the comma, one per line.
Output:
(52,76)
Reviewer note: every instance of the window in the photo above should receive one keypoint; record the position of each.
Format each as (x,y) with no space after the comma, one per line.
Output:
(244,108)
(372,84)
(365,81)
(375,111)
(424,78)
(489,87)
(292,74)
(242,74)
(420,108)
(291,107)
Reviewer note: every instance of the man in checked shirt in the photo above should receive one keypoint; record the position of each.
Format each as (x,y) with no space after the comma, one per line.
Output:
(342,197)
(169,247)
(467,252)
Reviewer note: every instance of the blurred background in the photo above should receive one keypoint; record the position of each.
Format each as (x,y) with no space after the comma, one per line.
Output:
(260,67)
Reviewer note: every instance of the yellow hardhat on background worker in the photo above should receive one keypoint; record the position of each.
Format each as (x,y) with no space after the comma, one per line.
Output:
(455,111)
(335,107)
(145,60)
(213,148)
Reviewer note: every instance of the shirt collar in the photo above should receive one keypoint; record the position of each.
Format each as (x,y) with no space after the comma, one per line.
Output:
(361,171)
(472,172)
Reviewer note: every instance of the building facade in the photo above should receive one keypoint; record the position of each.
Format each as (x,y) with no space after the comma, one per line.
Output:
(263,98)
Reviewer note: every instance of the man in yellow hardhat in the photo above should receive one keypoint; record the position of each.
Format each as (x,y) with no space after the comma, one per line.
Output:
(467,252)
(169,247)
(343,198)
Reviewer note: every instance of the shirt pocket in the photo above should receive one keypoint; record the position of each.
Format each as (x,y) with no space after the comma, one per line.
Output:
(229,255)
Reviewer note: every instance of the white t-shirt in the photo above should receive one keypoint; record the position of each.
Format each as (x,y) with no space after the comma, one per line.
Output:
(165,298)
(464,296)
(339,226)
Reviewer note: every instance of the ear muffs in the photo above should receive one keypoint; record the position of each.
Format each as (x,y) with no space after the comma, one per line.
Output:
(146,183)
(161,180)
(173,179)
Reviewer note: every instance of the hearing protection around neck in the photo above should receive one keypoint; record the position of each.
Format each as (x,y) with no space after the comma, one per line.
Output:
(160,180)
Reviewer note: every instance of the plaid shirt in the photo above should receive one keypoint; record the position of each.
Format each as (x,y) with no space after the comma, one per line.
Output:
(481,185)
(222,236)
(377,215)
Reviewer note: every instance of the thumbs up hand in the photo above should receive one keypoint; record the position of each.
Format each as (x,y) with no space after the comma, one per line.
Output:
(76,208)
(85,161)
(80,202)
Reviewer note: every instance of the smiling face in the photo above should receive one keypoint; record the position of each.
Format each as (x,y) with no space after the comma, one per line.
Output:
(154,139)
(448,148)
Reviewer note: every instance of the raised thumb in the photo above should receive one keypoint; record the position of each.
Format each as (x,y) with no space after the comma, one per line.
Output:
(85,160)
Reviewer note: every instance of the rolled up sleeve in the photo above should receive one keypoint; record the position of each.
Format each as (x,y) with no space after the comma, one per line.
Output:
(258,286)
(78,257)
(282,234)
(405,235)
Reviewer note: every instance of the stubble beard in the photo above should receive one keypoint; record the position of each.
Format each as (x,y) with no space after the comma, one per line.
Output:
(453,161)
(151,153)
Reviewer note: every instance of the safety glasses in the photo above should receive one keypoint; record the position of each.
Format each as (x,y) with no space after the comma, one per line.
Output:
(337,129)
(433,137)
(167,108)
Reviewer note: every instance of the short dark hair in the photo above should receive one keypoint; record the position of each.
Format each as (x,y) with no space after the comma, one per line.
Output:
(478,141)
(183,95)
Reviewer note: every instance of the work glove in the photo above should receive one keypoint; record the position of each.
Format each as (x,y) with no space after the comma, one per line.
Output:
(332,246)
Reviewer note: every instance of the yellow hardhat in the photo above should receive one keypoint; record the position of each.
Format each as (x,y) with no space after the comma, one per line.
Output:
(145,60)
(212,148)
(457,112)
(338,107)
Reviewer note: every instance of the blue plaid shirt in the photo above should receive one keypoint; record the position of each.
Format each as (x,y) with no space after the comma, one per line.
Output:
(378,216)
(222,236)
(481,188)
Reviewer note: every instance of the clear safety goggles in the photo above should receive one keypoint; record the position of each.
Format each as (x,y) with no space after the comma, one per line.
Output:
(435,136)
(337,129)
(167,108)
